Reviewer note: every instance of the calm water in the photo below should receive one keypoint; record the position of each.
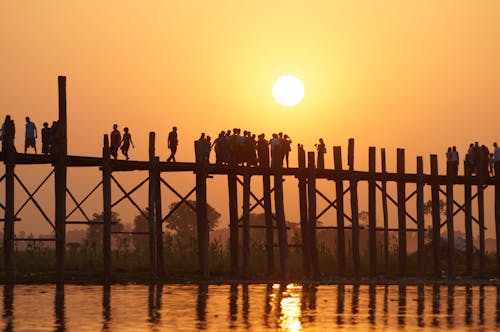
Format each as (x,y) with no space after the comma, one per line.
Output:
(289,307)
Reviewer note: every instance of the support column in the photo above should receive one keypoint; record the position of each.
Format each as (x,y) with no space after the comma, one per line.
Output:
(280,216)
(60,182)
(9,154)
(339,194)
(266,182)
(106,215)
(468,221)
(385,211)
(354,209)
(436,221)
(151,206)
(372,214)
(233,223)
(160,269)
(401,211)
(306,246)
(246,221)
(311,186)
(497,213)
(201,212)
(420,217)
(449,221)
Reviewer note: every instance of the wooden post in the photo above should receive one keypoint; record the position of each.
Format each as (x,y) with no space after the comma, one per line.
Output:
(106,215)
(233,222)
(60,182)
(201,211)
(339,193)
(280,216)
(311,186)
(246,220)
(449,220)
(9,153)
(436,221)
(372,214)
(151,206)
(480,210)
(497,213)
(306,245)
(385,211)
(401,211)
(268,216)
(353,188)
(160,269)
(420,217)
(469,258)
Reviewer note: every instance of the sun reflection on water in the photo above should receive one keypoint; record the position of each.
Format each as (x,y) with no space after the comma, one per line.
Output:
(290,308)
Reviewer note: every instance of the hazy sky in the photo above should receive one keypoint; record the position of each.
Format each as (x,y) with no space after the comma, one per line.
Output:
(421,75)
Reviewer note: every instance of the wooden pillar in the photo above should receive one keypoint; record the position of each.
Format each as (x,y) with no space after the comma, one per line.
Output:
(420,217)
(106,206)
(372,214)
(469,258)
(280,216)
(497,213)
(401,211)
(60,182)
(353,188)
(306,245)
(268,216)
(201,212)
(233,222)
(449,220)
(436,221)
(480,210)
(339,193)
(9,153)
(246,220)
(385,211)
(151,205)
(311,189)
(160,268)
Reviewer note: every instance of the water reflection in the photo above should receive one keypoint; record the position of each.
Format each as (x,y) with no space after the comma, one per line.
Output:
(283,307)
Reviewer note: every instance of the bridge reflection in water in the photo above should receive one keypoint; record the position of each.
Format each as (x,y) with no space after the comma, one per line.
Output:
(285,307)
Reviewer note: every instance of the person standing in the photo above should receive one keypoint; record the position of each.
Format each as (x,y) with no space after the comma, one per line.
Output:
(496,158)
(31,135)
(276,151)
(321,153)
(287,147)
(172,144)
(116,139)
(8,134)
(126,141)
(45,138)
(263,151)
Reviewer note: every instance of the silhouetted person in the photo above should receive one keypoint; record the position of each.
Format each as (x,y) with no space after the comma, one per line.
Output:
(263,151)
(201,148)
(485,158)
(219,148)
(496,158)
(116,139)
(454,160)
(321,153)
(8,134)
(31,135)
(45,138)
(208,149)
(287,147)
(54,132)
(276,153)
(126,141)
(173,142)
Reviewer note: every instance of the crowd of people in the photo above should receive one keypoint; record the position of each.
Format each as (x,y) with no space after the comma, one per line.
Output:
(478,159)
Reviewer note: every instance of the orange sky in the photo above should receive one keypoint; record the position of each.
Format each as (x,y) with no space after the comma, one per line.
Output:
(421,75)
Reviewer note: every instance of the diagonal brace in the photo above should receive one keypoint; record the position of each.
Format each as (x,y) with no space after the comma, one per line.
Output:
(78,205)
(183,200)
(333,203)
(129,198)
(31,196)
(34,201)
(177,194)
(396,203)
(127,194)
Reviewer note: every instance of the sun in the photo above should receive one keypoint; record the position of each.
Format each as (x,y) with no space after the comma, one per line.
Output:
(288,90)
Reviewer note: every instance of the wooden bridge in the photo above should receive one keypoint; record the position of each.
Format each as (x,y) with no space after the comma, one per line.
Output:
(307,176)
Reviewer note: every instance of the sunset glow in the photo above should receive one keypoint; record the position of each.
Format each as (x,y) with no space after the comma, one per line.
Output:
(288,90)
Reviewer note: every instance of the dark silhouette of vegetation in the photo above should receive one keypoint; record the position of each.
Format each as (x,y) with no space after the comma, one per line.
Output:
(94,230)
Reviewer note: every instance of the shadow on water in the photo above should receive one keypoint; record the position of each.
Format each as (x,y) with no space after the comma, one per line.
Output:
(292,307)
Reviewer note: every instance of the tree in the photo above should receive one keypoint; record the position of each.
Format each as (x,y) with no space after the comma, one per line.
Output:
(94,231)
(183,220)
(428,207)
(140,241)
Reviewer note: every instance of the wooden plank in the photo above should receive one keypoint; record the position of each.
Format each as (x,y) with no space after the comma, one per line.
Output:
(372,214)
(480,211)
(339,193)
(420,218)
(106,216)
(401,186)
(497,213)
(152,188)
(233,223)
(201,213)
(246,222)
(385,212)
(449,221)
(436,222)
(306,245)
(353,185)
(280,215)
(160,267)
(469,258)
(9,153)
(311,193)
(60,173)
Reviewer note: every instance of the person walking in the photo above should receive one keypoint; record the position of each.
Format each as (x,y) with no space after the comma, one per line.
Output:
(31,135)
(126,142)
(173,142)
(116,139)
